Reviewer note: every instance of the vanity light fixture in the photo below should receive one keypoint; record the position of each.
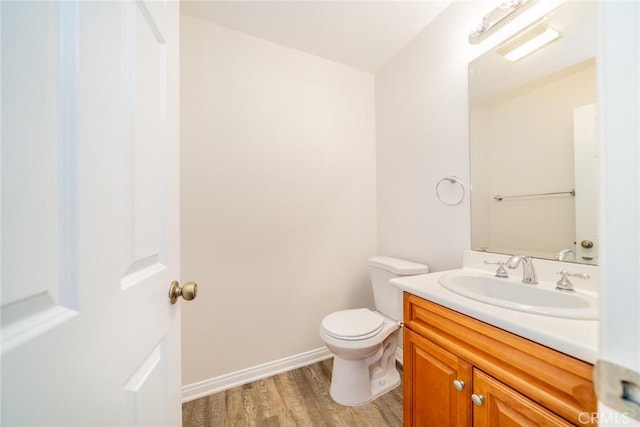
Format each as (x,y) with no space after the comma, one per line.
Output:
(528,41)
(499,16)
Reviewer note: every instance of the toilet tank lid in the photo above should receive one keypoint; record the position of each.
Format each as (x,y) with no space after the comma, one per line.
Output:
(398,266)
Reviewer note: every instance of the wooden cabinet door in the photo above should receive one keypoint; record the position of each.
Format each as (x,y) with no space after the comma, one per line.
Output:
(504,407)
(431,400)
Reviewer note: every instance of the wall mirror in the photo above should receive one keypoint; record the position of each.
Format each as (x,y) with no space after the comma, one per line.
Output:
(533,143)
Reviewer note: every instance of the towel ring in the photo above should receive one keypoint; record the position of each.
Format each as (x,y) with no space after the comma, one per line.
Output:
(453,180)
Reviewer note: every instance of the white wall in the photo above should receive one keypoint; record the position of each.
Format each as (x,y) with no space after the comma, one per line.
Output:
(422,135)
(278,197)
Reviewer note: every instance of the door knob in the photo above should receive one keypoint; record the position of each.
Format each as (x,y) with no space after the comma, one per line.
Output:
(189,291)
(587,244)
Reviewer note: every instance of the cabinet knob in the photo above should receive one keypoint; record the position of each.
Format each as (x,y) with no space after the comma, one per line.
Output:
(477,399)
(459,385)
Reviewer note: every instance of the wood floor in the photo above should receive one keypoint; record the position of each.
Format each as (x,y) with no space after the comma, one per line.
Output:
(295,398)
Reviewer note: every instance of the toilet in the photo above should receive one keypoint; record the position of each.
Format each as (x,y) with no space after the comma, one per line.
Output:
(364,341)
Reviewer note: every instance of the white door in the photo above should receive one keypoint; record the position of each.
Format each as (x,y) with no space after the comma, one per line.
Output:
(585,153)
(90,205)
(619,131)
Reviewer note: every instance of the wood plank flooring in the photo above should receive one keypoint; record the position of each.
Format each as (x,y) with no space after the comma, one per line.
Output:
(295,398)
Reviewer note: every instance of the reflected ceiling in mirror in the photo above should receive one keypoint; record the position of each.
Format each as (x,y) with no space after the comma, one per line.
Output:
(533,144)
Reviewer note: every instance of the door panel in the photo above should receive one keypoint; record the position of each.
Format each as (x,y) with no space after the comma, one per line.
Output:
(143,407)
(145,193)
(39,287)
(504,407)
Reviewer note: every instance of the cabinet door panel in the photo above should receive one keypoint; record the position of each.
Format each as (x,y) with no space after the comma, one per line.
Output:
(430,397)
(504,407)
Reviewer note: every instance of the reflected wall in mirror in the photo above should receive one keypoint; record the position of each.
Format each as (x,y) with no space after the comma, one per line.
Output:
(532,132)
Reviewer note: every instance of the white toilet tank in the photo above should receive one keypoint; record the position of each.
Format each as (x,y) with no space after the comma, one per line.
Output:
(388,298)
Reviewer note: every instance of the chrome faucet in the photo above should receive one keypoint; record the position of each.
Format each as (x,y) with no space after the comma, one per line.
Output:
(528,272)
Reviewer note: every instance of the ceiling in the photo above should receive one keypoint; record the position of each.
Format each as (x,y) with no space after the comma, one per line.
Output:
(361,34)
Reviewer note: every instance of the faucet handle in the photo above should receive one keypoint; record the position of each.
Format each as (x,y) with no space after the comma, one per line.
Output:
(500,272)
(564,284)
(566,255)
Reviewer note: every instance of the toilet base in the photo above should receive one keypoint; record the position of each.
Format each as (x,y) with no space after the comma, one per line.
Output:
(358,382)
(360,393)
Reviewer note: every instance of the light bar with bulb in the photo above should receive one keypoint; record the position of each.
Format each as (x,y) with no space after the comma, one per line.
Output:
(528,41)
(494,20)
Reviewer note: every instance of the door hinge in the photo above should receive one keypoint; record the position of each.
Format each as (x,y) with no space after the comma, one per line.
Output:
(618,388)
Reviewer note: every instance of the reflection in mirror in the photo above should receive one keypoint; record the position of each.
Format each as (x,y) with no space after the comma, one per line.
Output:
(533,144)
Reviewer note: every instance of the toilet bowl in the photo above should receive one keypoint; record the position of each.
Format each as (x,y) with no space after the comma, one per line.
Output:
(364,341)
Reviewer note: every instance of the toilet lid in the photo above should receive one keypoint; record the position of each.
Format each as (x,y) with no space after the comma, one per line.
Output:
(356,324)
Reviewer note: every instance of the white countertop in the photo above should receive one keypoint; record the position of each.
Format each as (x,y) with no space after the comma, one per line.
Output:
(577,338)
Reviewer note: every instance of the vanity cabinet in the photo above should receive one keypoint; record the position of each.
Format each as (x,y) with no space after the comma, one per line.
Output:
(451,359)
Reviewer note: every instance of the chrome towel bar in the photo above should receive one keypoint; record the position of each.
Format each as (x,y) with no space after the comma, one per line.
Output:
(499,198)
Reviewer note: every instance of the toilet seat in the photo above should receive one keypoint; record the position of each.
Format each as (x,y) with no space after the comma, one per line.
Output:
(352,325)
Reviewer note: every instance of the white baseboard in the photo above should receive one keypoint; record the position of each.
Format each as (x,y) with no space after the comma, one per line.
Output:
(254,373)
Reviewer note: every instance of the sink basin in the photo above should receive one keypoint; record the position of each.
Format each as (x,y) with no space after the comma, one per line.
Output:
(541,299)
